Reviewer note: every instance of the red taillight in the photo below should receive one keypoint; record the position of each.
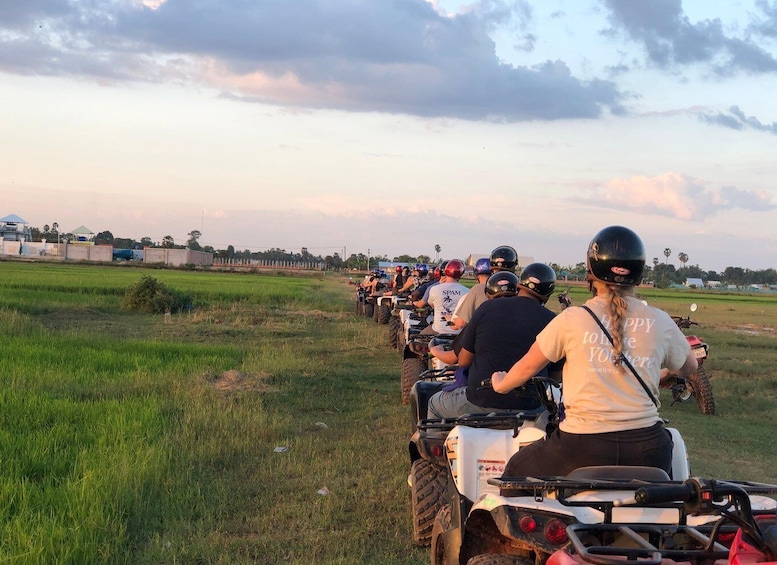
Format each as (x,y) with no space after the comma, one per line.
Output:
(556,532)
(437,451)
(726,538)
(527,524)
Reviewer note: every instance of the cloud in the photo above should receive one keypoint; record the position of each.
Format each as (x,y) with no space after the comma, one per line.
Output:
(713,245)
(676,196)
(397,57)
(767,25)
(736,119)
(671,39)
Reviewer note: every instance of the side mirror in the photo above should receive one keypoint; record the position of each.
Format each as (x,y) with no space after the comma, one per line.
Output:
(694,307)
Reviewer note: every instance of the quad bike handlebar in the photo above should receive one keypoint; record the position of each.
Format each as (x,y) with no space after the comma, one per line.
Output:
(728,499)
(538,379)
(684,322)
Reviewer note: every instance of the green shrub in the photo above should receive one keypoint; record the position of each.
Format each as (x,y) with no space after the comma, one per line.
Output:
(152,296)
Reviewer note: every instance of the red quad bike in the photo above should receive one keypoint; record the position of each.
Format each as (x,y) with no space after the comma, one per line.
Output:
(740,536)
(697,386)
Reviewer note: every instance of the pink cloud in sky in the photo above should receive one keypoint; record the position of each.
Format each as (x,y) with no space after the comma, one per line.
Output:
(678,196)
(670,193)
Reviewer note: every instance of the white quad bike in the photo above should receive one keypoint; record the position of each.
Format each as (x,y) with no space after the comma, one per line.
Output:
(411,321)
(430,460)
(402,317)
(384,306)
(485,518)
(417,362)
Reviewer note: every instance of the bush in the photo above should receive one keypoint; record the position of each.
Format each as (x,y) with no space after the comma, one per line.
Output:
(150,295)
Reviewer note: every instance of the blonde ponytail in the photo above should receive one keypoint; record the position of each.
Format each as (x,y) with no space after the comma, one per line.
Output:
(617,310)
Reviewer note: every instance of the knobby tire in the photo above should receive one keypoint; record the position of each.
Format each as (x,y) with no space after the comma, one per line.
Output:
(429,482)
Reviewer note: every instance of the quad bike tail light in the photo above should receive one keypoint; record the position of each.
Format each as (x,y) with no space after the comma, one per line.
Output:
(527,524)
(556,532)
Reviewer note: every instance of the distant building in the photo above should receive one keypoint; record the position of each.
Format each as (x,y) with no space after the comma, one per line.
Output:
(694,283)
(473,258)
(14,228)
(176,257)
(82,236)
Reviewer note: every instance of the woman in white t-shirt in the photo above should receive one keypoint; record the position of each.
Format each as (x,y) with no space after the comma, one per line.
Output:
(610,413)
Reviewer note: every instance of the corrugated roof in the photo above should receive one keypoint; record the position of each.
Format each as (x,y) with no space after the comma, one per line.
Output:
(14,219)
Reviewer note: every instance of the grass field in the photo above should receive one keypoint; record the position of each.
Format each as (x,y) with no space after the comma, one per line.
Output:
(210,436)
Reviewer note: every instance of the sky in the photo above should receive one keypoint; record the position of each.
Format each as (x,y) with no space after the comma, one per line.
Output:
(391,126)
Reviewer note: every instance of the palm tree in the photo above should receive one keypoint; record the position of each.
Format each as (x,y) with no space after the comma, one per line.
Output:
(437,250)
(655,261)
(683,257)
(667,253)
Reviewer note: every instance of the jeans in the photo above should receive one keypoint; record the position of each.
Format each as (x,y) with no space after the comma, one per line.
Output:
(454,403)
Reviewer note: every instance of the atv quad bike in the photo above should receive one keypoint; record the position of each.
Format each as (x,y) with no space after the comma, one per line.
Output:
(488,518)
(429,473)
(384,306)
(696,386)
(744,531)
(486,513)
(416,360)
(495,519)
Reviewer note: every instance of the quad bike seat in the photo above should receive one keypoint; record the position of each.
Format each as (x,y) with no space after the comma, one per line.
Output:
(620,473)
(419,399)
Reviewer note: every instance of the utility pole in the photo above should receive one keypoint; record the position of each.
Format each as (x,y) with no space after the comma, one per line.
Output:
(368,260)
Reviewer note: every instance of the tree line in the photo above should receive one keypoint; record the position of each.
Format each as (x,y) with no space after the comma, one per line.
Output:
(662,274)
(665,274)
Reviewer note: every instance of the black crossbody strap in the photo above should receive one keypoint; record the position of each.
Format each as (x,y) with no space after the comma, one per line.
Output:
(624,359)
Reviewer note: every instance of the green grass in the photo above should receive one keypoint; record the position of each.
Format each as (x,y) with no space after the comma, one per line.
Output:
(128,438)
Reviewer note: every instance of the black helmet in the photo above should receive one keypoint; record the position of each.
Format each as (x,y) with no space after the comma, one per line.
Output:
(502,283)
(504,258)
(539,279)
(616,255)
(439,270)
